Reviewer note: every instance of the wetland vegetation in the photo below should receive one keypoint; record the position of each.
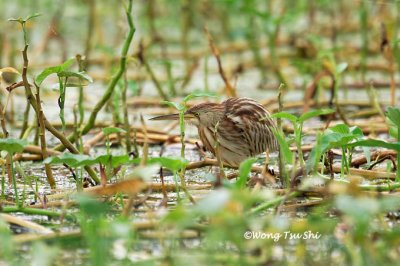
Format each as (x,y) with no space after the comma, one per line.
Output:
(88,179)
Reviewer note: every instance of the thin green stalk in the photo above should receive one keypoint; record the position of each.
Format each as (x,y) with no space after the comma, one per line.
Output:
(111,86)
(125,117)
(298,142)
(282,163)
(14,180)
(25,120)
(363,16)
(3,182)
(182,173)
(206,86)
(154,79)
(34,211)
(82,65)
(253,43)
(398,157)
(272,203)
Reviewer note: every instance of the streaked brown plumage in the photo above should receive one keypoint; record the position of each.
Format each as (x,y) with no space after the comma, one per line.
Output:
(241,125)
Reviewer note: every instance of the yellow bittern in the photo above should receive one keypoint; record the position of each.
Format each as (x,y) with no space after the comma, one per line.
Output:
(241,126)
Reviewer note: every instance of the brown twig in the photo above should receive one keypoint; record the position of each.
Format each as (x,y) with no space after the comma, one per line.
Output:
(42,134)
(230,91)
(31,99)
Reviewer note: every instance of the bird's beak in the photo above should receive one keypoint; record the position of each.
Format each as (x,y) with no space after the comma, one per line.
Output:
(187,116)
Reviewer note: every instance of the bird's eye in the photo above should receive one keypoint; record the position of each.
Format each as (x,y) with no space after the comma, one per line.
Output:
(197,114)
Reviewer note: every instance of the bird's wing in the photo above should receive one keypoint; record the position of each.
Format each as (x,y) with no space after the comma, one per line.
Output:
(253,122)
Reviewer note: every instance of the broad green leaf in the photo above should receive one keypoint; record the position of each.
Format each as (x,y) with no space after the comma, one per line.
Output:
(72,160)
(341,67)
(12,145)
(314,113)
(244,170)
(285,115)
(111,130)
(76,160)
(53,70)
(356,131)
(115,160)
(287,154)
(92,206)
(172,163)
(393,132)
(394,115)
(340,128)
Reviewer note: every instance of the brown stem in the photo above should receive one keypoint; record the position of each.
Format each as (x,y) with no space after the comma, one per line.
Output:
(230,90)
(143,60)
(42,134)
(110,89)
(3,121)
(31,99)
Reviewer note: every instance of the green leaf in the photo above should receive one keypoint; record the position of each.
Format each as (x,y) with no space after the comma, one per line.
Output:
(115,160)
(171,163)
(284,147)
(244,170)
(32,16)
(12,145)
(394,115)
(53,70)
(285,115)
(198,94)
(110,130)
(377,143)
(75,79)
(314,113)
(340,128)
(341,67)
(177,106)
(91,206)
(72,160)
(315,154)
(76,160)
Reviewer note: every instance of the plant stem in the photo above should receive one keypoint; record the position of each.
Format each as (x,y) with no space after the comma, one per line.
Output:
(110,89)
(282,170)
(273,202)
(3,121)
(25,121)
(126,118)
(35,211)
(42,134)
(3,182)
(31,98)
(398,157)
(14,180)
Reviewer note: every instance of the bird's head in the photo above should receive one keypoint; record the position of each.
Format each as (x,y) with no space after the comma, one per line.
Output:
(203,114)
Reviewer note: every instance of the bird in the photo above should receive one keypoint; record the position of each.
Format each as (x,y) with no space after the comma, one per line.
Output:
(240,127)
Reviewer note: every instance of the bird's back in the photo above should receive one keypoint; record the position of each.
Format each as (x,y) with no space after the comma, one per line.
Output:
(253,124)
(243,131)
